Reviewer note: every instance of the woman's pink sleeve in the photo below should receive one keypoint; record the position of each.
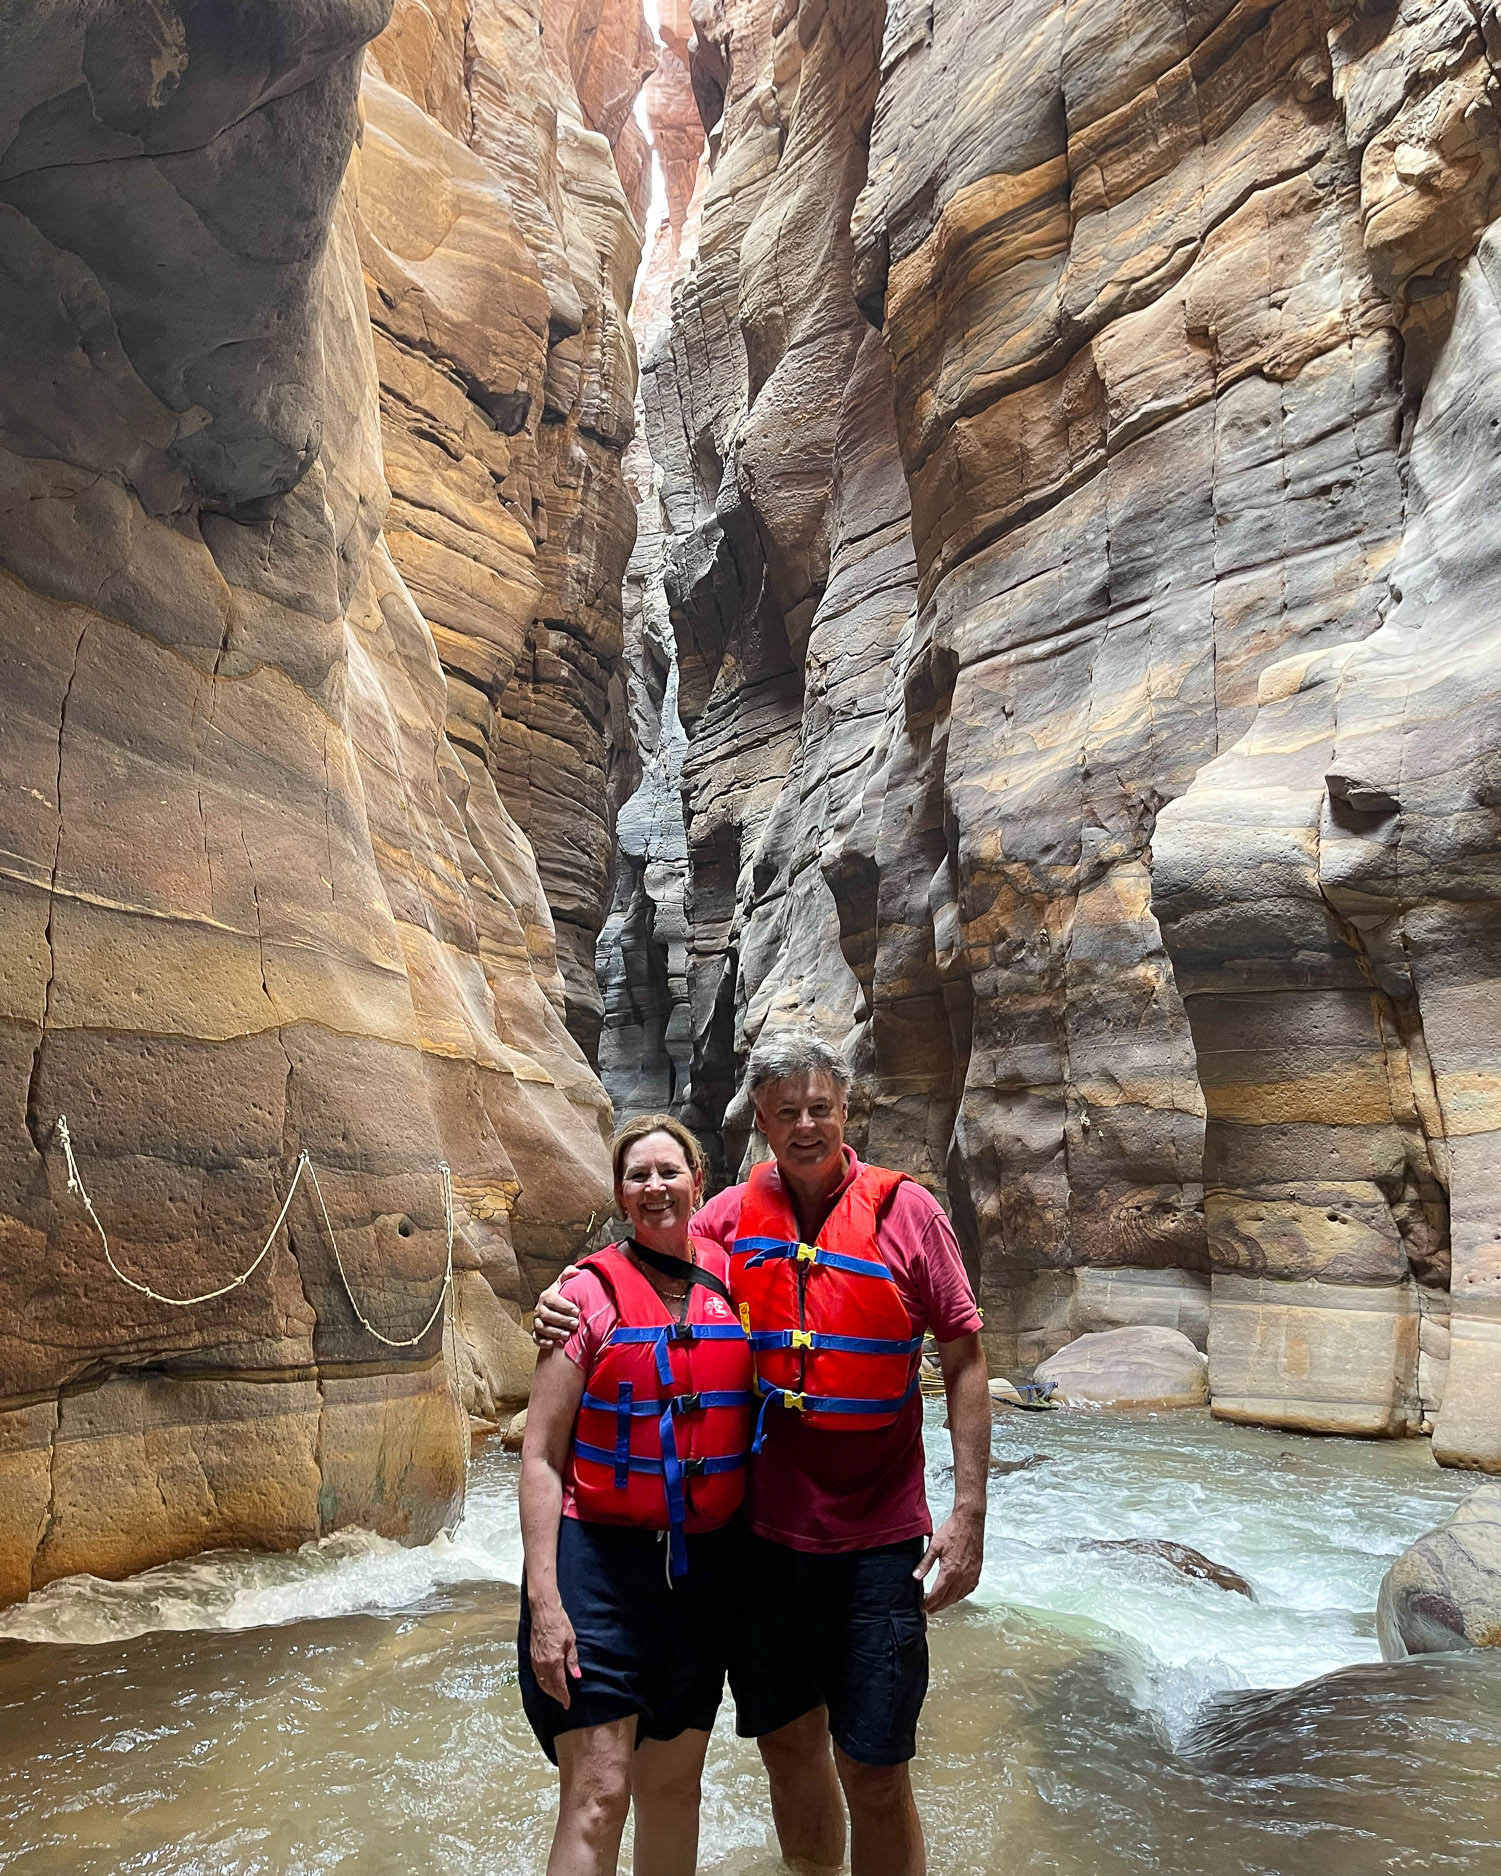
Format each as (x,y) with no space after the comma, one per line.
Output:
(597,1316)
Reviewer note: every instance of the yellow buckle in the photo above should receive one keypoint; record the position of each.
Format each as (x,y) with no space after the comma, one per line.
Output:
(745,1318)
(793,1400)
(802,1338)
(806,1253)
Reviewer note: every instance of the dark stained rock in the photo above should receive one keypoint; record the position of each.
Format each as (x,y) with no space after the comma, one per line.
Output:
(1025,1464)
(1183,1559)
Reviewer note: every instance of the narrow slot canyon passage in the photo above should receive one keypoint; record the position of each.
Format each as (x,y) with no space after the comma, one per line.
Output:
(547,546)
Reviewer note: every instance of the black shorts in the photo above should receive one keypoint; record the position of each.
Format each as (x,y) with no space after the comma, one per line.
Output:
(644,1648)
(845,1631)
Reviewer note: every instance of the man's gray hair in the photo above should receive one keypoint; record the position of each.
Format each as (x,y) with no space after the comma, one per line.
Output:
(789,1054)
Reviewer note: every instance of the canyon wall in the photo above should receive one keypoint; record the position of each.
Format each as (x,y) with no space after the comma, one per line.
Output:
(1075,446)
(292,763)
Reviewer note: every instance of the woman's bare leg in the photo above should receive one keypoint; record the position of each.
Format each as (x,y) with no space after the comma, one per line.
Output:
(595,1765)
(665,1780)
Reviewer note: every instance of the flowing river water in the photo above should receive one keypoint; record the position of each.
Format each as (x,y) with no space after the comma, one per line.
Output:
(353,1707)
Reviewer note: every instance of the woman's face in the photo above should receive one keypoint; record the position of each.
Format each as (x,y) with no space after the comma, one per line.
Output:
(657,1192)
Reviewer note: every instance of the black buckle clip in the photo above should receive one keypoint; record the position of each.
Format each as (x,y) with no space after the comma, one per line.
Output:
(680,1332)
(693,1468)
(686,1403)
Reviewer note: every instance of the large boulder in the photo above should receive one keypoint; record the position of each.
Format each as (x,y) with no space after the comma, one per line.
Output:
(1444,1591)
(1140,1367)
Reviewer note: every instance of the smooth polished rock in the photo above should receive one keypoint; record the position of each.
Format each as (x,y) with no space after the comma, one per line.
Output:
(1151,1368)
(1123,1299)
(1157,515)
(254,900)
(500,249)
(1444,1591)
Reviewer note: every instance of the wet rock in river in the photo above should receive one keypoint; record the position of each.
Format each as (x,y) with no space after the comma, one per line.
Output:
(1190,1562)
(1024,1464)
(1138,1367)
(1444,1591)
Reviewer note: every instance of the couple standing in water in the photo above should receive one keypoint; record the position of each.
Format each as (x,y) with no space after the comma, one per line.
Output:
(723,1475)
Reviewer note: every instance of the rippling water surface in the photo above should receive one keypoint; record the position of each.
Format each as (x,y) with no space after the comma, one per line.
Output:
(353,1707)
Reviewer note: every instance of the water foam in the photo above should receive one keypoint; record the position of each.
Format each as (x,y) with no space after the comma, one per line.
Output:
(345,1574)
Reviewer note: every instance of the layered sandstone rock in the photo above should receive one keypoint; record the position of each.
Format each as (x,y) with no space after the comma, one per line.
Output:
(1331,885)
(255,902)
(1041,387)
(500,250)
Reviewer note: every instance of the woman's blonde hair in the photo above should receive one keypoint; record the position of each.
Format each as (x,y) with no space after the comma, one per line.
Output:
(638,1129)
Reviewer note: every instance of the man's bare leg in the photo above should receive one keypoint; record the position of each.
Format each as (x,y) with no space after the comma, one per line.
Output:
(885,1830)
(805,1803)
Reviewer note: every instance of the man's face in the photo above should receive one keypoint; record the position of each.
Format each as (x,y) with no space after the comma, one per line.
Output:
(803,1121)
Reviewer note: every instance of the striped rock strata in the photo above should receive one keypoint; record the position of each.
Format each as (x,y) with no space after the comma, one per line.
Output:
(254,901)
(500,249)
(958,613)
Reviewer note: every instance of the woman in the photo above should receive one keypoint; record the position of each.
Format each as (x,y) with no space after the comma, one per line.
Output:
(632,1467)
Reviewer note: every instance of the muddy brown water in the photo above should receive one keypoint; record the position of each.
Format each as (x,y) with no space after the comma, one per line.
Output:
(353,1707)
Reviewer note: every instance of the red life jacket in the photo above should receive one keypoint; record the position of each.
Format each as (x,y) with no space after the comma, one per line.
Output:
(831,1334)
(662,1431)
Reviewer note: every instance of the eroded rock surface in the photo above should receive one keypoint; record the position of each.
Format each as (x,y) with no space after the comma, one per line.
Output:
(500,249)
(642,955)
(1444,1591)
(1063,405)
(254,901)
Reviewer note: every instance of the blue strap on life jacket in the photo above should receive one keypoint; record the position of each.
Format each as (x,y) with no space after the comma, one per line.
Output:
(604,1456)
(677,1499)
(680,1403)
(814,1339)
(673,1471)
(768,1250)
(666,1332)
(661,1335)
(623,1435)
(824,1404)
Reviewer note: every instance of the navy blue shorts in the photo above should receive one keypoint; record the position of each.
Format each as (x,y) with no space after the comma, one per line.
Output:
(644,1648)
(843,1630)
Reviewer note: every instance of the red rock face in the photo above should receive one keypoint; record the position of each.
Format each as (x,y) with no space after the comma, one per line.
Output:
(964,602)
(260,891)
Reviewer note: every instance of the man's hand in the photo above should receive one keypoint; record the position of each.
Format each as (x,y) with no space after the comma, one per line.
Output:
(555,1655)
(555,1318)
(958,1549)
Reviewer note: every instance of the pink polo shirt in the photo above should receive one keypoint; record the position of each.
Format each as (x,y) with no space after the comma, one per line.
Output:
(817,1490)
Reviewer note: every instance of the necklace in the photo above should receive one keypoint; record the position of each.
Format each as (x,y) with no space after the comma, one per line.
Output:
(664,1264)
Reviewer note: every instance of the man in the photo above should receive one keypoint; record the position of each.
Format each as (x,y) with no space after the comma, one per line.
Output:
(831,1663)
